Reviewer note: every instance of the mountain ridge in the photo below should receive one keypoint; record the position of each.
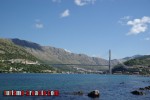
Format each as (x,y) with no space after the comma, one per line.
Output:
(21,50)
(50,54)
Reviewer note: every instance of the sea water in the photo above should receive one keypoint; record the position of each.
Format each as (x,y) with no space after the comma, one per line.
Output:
(111,87)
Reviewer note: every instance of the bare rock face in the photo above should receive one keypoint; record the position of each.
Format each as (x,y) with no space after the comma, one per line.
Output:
(94,94)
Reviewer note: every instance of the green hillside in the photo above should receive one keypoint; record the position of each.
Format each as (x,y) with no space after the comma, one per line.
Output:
(14,58)
(144,60)
(9,50)
(137,65)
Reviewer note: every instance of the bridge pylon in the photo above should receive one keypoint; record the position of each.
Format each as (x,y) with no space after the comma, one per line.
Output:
(110,72)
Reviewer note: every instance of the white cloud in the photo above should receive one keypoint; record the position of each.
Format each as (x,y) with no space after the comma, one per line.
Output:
(65,13)
(147,39)
(84,2)
(138,25)
(39,25)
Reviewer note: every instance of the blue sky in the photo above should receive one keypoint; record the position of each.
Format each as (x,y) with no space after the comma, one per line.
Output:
(91,27)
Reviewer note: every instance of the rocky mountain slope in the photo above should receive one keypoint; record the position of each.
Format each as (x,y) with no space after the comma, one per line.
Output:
(14,50)
(129,58)
(54,55)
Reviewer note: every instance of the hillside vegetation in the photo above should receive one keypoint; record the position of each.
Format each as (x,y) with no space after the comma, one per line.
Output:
(139,65)
(13,56)
(8,50)
(144,60)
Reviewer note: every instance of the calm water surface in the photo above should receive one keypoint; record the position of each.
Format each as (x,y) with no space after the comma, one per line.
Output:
(108,85)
